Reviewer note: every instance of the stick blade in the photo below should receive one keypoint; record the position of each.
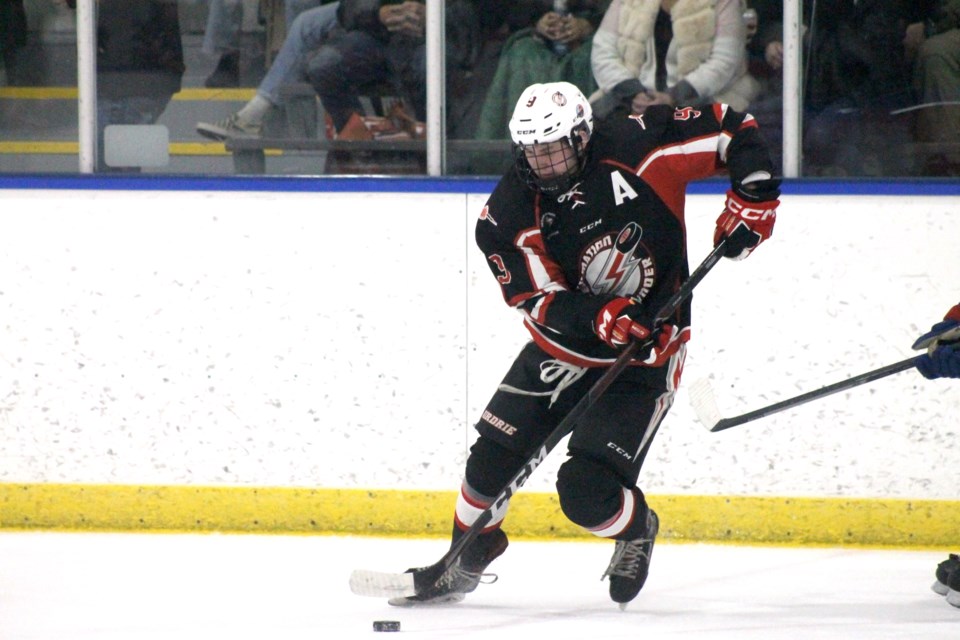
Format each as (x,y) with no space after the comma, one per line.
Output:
(704,403)
(378,584)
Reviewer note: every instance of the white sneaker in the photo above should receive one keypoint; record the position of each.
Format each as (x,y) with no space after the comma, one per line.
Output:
(231,127)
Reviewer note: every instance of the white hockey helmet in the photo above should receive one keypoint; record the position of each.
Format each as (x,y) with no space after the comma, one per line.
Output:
(547,113)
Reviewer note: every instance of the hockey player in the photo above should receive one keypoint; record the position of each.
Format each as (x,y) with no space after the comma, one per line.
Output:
(587,240)
(942,360)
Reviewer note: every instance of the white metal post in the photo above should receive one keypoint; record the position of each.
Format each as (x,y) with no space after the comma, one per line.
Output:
(87,83)
(792,87)
(436,88)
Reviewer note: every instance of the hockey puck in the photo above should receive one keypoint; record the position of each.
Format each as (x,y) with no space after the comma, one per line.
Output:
(386,625)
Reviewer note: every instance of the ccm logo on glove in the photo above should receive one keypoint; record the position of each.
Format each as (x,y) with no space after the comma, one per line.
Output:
(746,212)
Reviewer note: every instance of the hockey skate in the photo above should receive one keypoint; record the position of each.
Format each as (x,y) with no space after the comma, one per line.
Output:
(631,562)
(945,569)
(464,576)
(953,584)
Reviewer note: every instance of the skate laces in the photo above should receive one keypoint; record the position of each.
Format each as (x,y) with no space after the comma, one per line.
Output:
(479,577)
(563,373)
(457,578)
(626,558)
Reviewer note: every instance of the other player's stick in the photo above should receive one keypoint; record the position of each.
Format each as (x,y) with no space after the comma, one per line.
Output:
(411,583)
(705,404)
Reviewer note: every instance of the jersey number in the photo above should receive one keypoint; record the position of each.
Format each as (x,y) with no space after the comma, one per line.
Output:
(504,276)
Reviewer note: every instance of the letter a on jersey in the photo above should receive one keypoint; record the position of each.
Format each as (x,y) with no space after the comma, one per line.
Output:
(622,191)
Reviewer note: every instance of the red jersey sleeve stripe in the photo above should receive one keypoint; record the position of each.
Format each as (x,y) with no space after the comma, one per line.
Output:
(544,273)
(692,159)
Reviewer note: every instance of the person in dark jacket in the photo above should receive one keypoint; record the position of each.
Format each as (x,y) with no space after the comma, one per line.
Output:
(13,34)
(139,63)
(855,74)
(382,42)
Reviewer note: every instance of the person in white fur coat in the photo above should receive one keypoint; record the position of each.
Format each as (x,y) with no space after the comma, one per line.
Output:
(675,52)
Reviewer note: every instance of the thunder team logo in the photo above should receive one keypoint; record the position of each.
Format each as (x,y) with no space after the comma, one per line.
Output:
(619,265)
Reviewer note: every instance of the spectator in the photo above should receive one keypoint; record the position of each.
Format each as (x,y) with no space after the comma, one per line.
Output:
(552,46)
(765,63)
(936,79)
(671,52)
(856,74)
(221,36)
(306,33)
(293,8)
(13,35)
(381,41)
(139,63)
(765,40)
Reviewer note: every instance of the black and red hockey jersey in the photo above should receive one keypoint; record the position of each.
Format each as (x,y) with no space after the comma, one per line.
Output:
(619,231)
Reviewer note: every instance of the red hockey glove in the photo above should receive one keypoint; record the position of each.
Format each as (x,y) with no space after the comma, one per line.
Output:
(667,343)
(747,219)
(620,321)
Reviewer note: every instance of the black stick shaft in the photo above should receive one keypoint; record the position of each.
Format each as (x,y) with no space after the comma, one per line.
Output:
(855,381)
(570,420)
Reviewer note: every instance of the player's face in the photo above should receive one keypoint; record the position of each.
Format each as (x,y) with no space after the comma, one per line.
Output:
(551,159)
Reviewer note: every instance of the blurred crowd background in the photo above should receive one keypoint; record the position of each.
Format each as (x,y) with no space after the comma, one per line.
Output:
(312,87)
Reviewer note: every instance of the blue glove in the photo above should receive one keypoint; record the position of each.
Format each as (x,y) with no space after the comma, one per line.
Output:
(944,362)
(942,342)
(943,331)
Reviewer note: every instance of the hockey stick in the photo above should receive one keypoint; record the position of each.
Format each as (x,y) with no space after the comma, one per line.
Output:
(705,404)
(411,583)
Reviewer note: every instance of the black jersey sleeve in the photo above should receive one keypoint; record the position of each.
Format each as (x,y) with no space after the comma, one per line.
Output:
(508,233)
(673,146)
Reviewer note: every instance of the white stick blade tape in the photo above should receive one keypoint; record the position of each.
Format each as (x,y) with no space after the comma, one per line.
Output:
(704,403)
(382,585)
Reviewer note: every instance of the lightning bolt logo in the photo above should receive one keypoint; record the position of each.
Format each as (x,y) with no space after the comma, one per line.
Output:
(620,269)
(622,260)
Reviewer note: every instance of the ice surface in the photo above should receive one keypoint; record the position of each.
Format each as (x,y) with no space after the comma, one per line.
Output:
(80,586)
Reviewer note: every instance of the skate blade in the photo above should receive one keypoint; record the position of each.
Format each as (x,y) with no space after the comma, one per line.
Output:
(382,585)
(450,598)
